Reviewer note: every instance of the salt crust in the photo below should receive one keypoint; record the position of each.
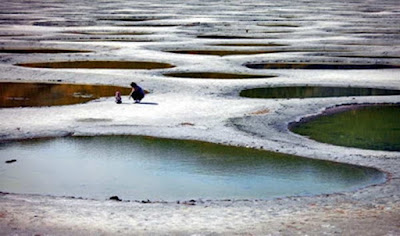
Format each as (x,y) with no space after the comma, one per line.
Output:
(213,107)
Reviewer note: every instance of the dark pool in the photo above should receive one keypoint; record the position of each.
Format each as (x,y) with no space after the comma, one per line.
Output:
(221,53)
(320,66)
(367,127)
(52,94)
(138,168)
(39,50)
(134,65)
(314,91)
(215,75)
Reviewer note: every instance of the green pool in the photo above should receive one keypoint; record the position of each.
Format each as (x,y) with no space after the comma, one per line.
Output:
(366,127)
(137,168)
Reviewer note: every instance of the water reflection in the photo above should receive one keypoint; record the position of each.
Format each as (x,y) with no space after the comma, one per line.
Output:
(164,169)
(374,127)
(48,94)
(39,50)
(319,66)
(138,65)
(215,75)
(221,53)
(314,91)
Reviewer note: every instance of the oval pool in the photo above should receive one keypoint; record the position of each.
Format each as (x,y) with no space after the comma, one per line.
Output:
(25,94)
(137,168)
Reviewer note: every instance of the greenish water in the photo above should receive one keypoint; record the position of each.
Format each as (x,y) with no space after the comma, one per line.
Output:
(134,167)
(374,127)
(314,91)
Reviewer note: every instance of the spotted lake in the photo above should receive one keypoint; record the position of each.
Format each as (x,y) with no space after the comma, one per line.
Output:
(138,168)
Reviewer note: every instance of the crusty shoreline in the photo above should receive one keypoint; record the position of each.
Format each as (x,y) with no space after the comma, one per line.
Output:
(294,31)
(375,208)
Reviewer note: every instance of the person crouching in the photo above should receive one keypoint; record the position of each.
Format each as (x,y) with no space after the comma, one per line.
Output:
(137,93)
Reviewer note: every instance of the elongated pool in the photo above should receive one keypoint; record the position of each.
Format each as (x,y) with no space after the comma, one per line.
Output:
(138,168)
(52,94)
(314,92)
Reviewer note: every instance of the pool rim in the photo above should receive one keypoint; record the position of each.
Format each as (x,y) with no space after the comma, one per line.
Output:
(335,109)
(385,178)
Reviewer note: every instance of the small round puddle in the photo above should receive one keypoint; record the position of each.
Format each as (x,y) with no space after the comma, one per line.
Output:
(367,127)
(138,168)
(319,66)
(137,65)
(39,50)
(314,91)
(215,75)
(51,94)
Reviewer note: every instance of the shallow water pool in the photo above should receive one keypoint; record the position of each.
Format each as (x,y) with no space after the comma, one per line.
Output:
(375,127)
(132,65)
(315,91)
(53,94)
(138,168)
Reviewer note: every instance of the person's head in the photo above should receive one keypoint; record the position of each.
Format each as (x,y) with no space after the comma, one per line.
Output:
(133,85)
